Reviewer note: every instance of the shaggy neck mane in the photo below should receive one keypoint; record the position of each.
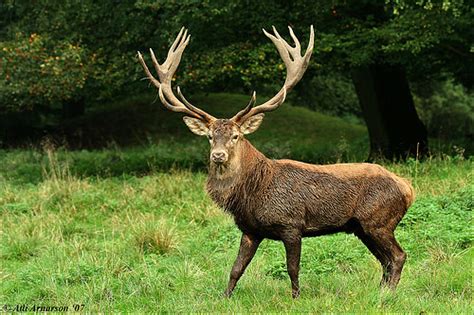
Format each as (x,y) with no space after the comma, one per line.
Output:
(246,176)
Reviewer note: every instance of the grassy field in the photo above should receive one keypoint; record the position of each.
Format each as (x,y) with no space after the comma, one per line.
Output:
(131,229)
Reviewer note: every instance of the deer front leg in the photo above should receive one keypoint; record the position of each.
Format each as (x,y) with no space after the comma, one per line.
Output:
(248,247)
(293,253)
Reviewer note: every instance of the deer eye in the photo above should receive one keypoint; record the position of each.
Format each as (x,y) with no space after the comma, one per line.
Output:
(209,137)
(235,137)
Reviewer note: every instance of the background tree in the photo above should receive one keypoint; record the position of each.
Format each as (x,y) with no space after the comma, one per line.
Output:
(38,73)
(386,49)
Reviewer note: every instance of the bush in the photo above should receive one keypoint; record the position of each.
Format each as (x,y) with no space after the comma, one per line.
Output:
(38,72)
(332,94)
(449,112)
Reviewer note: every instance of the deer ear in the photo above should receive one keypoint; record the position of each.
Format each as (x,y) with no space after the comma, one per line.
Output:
(251,124)
(197,126)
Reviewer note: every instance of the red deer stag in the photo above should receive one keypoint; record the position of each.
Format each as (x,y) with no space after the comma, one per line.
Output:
(283,199)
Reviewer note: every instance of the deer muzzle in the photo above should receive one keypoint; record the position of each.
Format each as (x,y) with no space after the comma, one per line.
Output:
(219,156)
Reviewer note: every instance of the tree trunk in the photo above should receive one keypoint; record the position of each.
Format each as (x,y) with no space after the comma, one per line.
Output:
(395,130)
(73,109)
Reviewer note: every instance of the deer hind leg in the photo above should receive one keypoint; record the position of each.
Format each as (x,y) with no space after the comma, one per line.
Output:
(248,247)
(384,246)
(397,257)
(375,249)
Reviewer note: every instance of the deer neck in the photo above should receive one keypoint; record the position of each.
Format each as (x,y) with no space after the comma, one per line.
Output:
(241,166)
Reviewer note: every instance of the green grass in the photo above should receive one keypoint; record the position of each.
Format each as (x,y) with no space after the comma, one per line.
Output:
(84,227)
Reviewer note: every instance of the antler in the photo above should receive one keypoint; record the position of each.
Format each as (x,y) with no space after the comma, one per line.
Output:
(295,68)
(165,74)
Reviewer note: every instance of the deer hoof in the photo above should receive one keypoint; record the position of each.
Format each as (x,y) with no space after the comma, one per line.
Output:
(295,294)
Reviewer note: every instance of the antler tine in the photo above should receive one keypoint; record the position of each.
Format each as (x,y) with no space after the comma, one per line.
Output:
(309,49)
(177,40)
(194,108)
(155,62)
(247,109)
(147,71)
(284,53)
(174,108)
(166,72)
(296,66)
(295,39)
(281,42)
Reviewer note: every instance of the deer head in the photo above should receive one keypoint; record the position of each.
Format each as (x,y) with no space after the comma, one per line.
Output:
(225,135)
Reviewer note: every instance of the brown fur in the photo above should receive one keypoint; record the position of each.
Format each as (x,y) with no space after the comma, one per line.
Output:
(287,200)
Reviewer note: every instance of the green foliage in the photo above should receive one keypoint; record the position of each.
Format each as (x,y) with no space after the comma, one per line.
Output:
(109,32)
(447,215)
(235,67)
(333,94)
(409,33)
(38,72)
(228,50)
(449,112)
(453,7)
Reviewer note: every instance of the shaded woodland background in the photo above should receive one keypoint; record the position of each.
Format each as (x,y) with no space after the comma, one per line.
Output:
(403,67)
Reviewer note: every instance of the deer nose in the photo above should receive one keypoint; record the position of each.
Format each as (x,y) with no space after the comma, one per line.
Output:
(219,156)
